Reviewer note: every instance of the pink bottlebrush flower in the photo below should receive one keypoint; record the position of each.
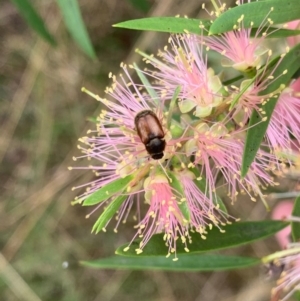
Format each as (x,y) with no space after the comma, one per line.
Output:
(163,215)
(282,211)
(241,51)
(217,150)
(184,65)
(295,85)
(294,40)
(203,211)
(283,132)
(115,145)
(250,100)
(251,93)
(284,121)
(118,152)
(288,261)
(285,263)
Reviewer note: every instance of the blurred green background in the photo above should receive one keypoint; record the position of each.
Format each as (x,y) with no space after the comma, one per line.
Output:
(42,115)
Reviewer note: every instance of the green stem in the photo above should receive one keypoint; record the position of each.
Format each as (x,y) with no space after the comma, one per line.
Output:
(215,5)
(280,254)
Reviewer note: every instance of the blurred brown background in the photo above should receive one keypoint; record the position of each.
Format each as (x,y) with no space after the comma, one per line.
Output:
(42,114)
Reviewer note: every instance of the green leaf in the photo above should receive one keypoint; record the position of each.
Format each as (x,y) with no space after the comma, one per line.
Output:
(219,202)
(107,191)
(33,19)
(255,135)
(257,128)
(186,262)
(232,80)
(183,206)
(242,91)
(73,20)
(256,14)
(108,213)
(172,105)
(167,24)
(147,85)
(296,225)
(237,234)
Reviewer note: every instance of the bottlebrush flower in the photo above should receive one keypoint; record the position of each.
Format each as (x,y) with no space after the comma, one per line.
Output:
(119,154)
(241,51)
(218,150)
(115,145)
(163,215)
(285,263)
(294,40)
(284,129)
(251,93)
(289,279)
(205,212)
(185,65)
(193,148)
(283,211)
(284,120)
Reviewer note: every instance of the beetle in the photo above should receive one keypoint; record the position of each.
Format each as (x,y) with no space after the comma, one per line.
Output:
(151,133)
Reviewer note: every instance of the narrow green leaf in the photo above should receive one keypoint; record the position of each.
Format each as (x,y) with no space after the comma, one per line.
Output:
(186,262)
(219,202)
(296,225)
(183,206)
(167,24)
(237,234)
(108,213)
(33,19)
(242,91)
(172,105)
(147,84)
(257,128)
(232,80)
(107,191)
(255,135)
(256,14)
(73,20)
